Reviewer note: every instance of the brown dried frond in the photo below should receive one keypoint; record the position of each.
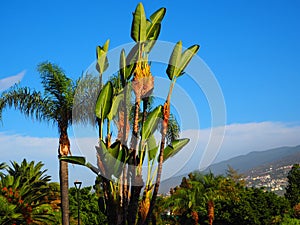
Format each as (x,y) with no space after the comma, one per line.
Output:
(64,145)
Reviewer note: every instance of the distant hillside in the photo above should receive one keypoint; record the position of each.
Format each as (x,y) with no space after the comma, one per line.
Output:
(254,159)
(291,159)
(253,162)
(272,176)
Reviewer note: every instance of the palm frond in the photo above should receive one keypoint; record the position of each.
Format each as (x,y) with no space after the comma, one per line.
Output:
(59,91)
(56,84)
(2,167)
(173,129)
(87,91)
(30,102)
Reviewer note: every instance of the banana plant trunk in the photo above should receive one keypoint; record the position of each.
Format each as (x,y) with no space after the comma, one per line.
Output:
(113,211)
(114,215)
(64,149)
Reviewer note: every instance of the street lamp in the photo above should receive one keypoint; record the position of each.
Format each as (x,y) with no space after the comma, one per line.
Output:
(77,186)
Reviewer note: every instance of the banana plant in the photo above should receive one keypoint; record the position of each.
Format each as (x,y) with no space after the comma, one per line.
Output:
(103,105)
(177,63)
(120,163)
(102,61)
(179,60)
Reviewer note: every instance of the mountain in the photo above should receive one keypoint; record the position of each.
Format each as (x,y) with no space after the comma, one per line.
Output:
(252,164)
(254,159)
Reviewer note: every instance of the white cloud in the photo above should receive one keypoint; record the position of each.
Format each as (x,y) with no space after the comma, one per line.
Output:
(15,147)
(10,81)
(244,138)
(203,148)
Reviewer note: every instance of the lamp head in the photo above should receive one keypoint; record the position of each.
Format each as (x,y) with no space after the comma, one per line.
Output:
(77,184)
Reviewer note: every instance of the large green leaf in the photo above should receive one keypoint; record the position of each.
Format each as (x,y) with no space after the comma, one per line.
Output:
(131,60)
(179,61)
(175,147)
(138,27)
(158,15)
(156,19)
(114,149)
(106,45)
(152,39)
(151,122)
(115,105)
(104,101)
(102,61)
(186,57)
(152,147)
(153,28)
(79,160)
(155,32)
(174,62)
(148,25)
(110,157)
(132,57)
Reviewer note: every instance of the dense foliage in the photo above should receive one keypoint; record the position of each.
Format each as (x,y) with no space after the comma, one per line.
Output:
(293,188)
(252,206)
(210,199)
(23,195)
(88,206)
(28,197)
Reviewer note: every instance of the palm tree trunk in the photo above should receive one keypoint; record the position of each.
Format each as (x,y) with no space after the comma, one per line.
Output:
(195,217)
(211,213)
(64,149)
(64,186)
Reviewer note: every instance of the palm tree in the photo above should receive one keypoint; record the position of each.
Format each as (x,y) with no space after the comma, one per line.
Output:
(54,105)
(184,202)
(212,189)
(24,188)
(33,175)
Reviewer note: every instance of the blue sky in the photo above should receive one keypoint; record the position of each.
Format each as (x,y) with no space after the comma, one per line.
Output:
(252,47)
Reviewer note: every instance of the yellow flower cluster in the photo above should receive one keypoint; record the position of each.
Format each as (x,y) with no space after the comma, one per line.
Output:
(142,70)
(143,81)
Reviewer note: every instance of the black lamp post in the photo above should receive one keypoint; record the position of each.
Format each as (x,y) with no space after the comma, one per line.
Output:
(78,186)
